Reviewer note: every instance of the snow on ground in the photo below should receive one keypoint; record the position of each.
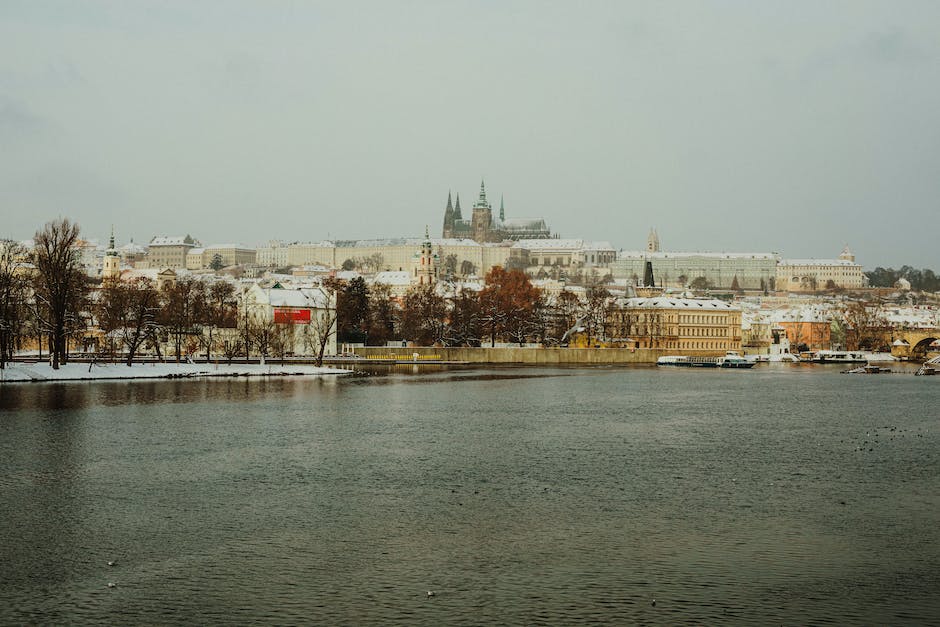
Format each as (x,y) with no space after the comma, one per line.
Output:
(81,371)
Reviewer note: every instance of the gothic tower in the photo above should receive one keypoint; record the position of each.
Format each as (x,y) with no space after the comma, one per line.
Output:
(482,217)
(448,219)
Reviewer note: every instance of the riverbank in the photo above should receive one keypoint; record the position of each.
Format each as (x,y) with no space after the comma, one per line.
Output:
(523,355)
(19,372)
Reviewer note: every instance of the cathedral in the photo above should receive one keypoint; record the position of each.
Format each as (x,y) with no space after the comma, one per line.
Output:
(483,226)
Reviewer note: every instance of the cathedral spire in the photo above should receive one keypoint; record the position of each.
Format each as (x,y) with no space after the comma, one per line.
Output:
(448,216)
(457,215)
(502,210)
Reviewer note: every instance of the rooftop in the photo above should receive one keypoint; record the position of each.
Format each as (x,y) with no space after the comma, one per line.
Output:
(670,302)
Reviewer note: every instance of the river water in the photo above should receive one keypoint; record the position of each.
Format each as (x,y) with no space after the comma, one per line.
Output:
(780,495)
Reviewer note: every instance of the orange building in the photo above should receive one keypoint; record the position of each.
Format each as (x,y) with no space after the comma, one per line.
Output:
(814,334)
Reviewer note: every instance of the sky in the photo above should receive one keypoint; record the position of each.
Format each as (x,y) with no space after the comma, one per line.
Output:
(792,127)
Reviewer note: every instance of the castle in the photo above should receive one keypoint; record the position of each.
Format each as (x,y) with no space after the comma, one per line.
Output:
(483,226)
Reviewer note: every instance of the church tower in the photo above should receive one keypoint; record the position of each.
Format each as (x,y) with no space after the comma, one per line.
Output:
(652,242)
(448,219)
(111,266)
(482,219)
(847,255)
(425,271)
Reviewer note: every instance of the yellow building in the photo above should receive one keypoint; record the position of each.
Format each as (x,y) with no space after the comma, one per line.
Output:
(229,255)
(169,252)
(677,324)
(398,254)
(811,275)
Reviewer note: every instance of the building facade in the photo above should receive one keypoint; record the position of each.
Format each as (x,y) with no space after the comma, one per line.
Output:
(301,317)
(679,324)
(467,256)
(811,275)
(169,252)
(725,271)
(542,254)
(229,255)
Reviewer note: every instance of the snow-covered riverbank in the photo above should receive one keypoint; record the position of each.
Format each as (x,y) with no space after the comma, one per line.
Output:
(19,372)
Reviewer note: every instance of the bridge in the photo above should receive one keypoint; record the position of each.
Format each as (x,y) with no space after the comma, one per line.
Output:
(913,343)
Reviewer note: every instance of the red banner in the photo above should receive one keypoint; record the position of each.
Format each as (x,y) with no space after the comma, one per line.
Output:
(292,316)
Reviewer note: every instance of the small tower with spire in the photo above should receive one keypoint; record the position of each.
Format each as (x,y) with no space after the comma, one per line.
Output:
(847,254)
(111,265)
(652,242)
(425,268)
(502,210)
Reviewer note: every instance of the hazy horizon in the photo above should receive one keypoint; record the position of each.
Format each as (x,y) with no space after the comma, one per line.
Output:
(794,128)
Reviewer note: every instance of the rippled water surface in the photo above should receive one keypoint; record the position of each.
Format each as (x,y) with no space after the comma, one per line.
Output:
(783,495)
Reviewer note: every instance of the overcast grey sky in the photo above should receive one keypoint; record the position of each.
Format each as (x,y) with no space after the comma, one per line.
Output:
(793,127)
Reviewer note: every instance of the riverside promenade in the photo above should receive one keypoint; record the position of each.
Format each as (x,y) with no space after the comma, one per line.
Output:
(523,355)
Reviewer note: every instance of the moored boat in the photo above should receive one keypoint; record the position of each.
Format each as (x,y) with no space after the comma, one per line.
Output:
(734,360)
(730,360)
(849,357)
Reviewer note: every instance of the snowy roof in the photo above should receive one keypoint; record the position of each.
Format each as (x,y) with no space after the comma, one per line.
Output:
(817,262)
(179,240)
(524,224)
(639,254)
(561,244)
(669,302)
(131,247)
(303,298)
(393,277)
(229,246)
(807,314)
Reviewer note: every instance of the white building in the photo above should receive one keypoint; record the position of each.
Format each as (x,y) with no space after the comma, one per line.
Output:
(811,275)
(746,271)
(301,316)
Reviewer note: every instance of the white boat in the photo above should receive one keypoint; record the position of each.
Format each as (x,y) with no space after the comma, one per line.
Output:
(849,357)
(689,361)
(734,360)
(731,359)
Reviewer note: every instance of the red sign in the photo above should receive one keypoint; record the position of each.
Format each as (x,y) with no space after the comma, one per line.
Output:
(292,316)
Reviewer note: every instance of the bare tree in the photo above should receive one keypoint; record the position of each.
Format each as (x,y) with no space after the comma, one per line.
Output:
(323,321)
(464,327)
(182,312)
(60,284)
(264,333)
(219,312)
(14,286)
(129,310)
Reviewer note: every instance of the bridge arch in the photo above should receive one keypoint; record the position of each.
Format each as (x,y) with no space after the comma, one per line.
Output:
(919,350)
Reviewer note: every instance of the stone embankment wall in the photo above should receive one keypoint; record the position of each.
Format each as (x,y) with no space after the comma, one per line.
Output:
(523,355)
